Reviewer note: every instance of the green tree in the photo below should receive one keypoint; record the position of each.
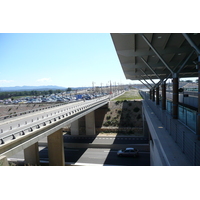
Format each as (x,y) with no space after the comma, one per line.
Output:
(188,81)
(50,91)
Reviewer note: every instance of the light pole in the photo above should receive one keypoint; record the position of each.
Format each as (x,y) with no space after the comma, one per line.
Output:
(110,87)
(93,86)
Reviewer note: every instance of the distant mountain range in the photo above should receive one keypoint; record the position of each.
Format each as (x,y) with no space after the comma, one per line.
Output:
(26,88)
(38,88)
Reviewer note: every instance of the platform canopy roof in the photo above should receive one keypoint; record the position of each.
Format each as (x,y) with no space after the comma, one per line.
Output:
(149,56)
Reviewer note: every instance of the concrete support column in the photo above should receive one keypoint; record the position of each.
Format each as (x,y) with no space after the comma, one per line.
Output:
(163,96)
(3,161)
(175,96)
(157,95)
(56,149)
(31,155)
(153,94)
(90,124)
(75,127)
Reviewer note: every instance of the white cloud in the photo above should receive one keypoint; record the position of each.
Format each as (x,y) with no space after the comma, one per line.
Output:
(6,81)
(44,80)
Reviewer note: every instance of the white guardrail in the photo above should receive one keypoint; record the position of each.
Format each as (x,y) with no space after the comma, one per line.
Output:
(31,111)
(54,116)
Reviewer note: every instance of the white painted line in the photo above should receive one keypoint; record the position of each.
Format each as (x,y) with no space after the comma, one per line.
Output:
(109,151)
(15,159)
(85,164)
(72,150)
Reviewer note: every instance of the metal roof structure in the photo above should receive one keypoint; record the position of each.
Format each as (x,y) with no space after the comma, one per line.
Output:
(149,56)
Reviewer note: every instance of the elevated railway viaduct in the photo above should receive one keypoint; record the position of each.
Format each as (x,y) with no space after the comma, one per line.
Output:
(50,124)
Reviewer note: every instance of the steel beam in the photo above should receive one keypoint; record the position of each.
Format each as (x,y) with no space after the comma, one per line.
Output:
(159,56)
(146,82)
(149,67)
(139,53)
(191,43)
(158,83)
(145,85)
(184,63)
(147,76)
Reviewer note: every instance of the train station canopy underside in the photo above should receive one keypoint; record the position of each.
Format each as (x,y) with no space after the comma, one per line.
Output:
(160,56)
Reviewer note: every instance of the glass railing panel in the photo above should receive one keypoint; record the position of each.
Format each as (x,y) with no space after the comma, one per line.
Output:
(169,107)
(182,115)
(191,119)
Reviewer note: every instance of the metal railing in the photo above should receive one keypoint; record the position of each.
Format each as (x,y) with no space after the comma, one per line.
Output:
(182,135)
(29,111)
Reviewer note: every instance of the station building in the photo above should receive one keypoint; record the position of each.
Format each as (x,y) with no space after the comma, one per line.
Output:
(171,115)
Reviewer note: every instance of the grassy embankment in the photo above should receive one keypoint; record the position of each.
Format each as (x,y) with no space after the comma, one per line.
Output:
(129,95)
(124,115)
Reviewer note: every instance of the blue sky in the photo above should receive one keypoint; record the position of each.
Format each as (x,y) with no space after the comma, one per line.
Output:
(68,44)
(62,59)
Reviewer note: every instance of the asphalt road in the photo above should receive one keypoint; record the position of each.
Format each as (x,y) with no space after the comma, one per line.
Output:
(105,139)
(99,150)
(102,150)
(99,156)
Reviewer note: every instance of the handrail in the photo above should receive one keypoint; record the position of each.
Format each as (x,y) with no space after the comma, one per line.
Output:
(30,111)
(181,133)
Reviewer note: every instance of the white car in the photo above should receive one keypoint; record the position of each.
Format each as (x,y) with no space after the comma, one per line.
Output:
(128,152)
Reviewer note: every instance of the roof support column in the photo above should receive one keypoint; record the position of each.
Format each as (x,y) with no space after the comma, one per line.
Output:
(197,49)
(157,95)
(150,94)
(175,96)
(163,95)
(153,94)
(198,116)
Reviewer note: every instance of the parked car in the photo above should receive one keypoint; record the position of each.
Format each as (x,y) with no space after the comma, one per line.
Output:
(128,152)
